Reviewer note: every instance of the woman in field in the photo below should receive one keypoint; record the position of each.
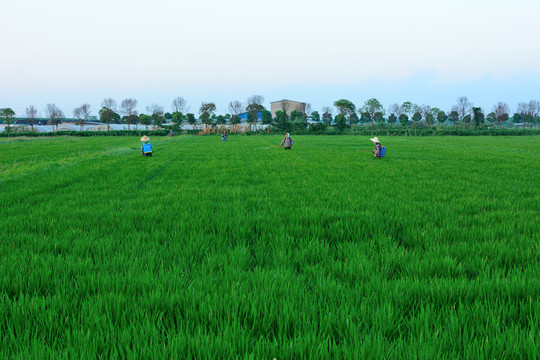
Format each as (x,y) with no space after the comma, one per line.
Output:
(287,142)
(377,150)
(146,147)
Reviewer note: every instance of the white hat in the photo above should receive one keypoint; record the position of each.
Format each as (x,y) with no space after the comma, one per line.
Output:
(375,139)
(287,134)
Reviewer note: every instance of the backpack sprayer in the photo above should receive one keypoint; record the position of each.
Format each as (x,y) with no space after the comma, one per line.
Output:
(383,151)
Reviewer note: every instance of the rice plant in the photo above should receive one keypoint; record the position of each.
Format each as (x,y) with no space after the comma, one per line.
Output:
(238,249)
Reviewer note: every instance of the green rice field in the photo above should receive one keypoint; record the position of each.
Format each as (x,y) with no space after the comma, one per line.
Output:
(240,250)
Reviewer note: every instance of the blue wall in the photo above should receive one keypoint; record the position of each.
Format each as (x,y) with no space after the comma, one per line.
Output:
(244,116)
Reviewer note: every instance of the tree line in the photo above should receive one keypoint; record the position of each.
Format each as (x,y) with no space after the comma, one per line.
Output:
(463,113)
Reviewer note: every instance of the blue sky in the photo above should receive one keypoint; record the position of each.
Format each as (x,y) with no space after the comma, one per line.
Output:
(427,52)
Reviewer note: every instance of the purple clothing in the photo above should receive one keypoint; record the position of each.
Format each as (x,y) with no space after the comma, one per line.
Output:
(377,151)
(287,141)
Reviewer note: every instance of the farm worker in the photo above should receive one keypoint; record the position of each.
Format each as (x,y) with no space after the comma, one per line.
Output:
(224,136)
(377,150)
(287,141)
(146,147)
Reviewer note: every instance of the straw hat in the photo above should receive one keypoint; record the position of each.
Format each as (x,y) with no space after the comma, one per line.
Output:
(375,139)
(145,138)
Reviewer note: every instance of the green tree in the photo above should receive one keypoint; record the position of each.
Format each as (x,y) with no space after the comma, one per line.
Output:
(327,115)
(235,119)
(524,110)
(206,111)
(502,119)
(116,118)
(318,127)
(315,116)
(341,122)
(158,120)
(156,113)
(127,107)
(517,118)
(403,119)
(441,117)
(254,106)
(7,115)
(430,119)
(434,113)
(282,121)
(392,119)
(478,117)
(372,106)
(177,118)
(109,114)
(130,119)
(534,110)
(407,107)
(501,111)
(379,117)
(425,111)
(253,112)
(364,117)
(298,120)
(190,119)
(133,119)
(266,117)
(528,118)
(353,119)
(454,115)
(220,120)
(345,107)
(146,120)
(467,120)
(463,108)
(416,118)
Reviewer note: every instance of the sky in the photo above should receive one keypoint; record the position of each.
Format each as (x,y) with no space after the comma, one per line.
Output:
(70,52)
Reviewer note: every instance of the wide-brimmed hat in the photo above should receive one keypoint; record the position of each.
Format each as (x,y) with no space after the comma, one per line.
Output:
(375,139)
(145,138)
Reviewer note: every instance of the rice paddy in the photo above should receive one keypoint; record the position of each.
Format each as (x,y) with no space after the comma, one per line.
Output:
(237,249)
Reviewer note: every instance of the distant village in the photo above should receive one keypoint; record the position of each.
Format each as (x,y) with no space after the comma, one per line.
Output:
(97,123)
(283,115)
